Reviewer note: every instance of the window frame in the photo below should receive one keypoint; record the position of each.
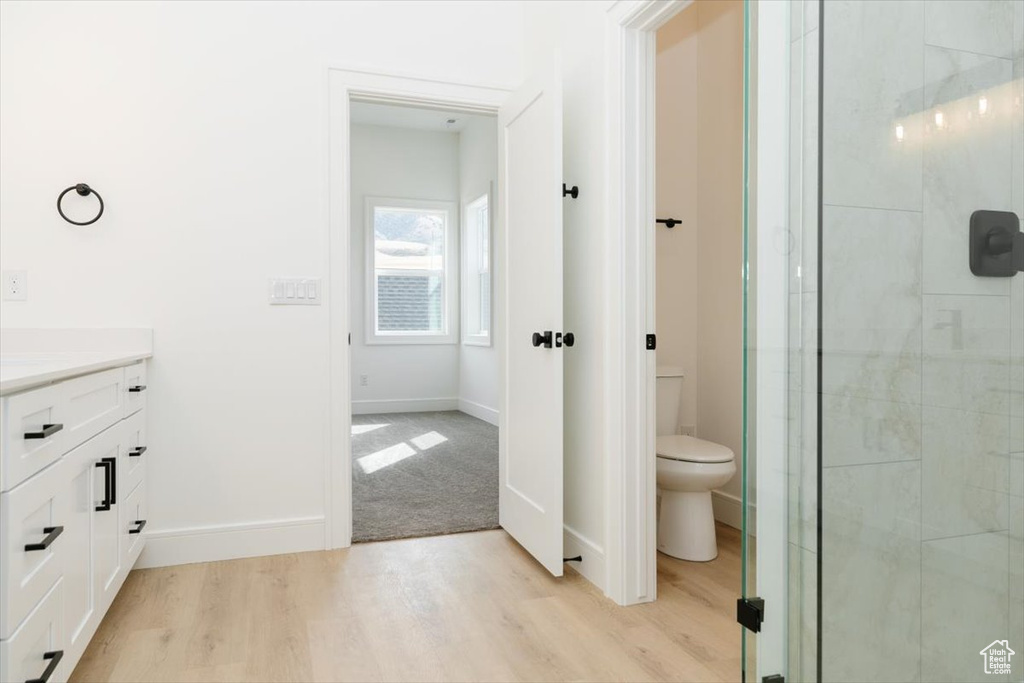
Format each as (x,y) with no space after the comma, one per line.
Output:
(450,273)
(485,339)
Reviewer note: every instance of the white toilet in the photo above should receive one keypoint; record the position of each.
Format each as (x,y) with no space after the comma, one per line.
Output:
(688,469)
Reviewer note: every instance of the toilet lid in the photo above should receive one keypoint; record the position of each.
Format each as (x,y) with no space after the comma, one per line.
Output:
(690,449)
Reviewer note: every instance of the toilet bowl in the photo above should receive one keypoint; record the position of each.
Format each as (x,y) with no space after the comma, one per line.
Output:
(687,470)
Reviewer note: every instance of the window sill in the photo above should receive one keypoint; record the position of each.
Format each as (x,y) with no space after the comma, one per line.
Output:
(477,341)
(410,340)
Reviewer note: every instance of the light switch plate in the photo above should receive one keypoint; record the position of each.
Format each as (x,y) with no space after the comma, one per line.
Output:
(295,291)
(15,285)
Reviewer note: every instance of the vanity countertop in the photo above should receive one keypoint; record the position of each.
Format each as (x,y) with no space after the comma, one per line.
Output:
(26,370)
(31,358)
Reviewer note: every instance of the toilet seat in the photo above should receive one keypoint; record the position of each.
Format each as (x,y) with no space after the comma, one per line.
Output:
(691,449)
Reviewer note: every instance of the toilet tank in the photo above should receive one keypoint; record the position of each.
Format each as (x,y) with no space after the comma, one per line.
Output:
(669,395)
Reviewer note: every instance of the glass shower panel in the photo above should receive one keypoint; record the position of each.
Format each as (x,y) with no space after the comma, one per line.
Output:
(802,468)
(920,397)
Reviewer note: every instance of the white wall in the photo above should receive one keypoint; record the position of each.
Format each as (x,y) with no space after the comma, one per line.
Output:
(676,196)
(700,173)
(204,125)
(406,164)
(478,169)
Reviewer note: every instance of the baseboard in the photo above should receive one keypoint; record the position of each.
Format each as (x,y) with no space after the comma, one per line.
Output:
(479,410)
(169,547)
(593,565)
(408,405)
(729,510)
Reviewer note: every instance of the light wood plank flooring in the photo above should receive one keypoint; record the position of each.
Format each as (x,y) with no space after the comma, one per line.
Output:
(467,607)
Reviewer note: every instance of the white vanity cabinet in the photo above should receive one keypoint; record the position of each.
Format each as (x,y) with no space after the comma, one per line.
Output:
(72,514)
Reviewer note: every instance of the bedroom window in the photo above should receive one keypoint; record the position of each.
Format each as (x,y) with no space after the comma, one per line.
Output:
(476,268)
(411,272)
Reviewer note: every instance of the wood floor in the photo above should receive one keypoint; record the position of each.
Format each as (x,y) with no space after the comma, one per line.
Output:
(467,607)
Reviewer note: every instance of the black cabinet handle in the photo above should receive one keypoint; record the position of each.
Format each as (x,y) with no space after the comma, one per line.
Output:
(113,480)
(544,339)
(54,659)
(105,503)
(136,452)
(46,432)
(137,388)
(138,529)
(109,466)
(52,532)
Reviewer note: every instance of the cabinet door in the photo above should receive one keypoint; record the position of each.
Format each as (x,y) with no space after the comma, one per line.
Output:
(135,452)
(106,546)
(36,650)
(94,402)
(133,524)
(32,544)
(135,387)
(32,433)
(80,613)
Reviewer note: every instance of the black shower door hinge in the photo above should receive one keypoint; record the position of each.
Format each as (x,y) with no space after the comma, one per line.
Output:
(774,678)
(750,613)
(652,342)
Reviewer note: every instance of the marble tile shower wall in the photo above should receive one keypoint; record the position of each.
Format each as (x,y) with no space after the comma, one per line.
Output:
(923,363)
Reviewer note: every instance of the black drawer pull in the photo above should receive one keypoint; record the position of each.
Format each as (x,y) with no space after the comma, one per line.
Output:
(46,432)
(136,452)
(52,532)
(109,466)
(54,658)
(138,529)
(137,388)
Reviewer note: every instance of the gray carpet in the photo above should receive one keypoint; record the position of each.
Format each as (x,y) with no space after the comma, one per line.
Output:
(422,474)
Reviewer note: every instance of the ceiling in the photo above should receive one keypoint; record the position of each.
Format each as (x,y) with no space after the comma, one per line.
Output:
(397,116)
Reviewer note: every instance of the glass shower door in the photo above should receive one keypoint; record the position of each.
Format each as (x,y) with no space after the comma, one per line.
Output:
(920,390)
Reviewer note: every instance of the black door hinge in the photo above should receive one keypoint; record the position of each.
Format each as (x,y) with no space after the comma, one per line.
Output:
(750,613)
(652,342)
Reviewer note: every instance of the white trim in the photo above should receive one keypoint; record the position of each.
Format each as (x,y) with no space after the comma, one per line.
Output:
(344,85)
(480,411)
(408,405)
(449,272)
(168,547)
(593,566)
(477,339)
(729,510)
(629,431)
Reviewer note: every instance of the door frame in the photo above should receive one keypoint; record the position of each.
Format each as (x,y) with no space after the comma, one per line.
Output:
(630,482)
(345,85)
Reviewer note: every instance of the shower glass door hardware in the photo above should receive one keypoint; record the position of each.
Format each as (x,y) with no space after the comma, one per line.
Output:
(996,243)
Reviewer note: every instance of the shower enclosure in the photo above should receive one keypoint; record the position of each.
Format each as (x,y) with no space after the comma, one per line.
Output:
(903,533)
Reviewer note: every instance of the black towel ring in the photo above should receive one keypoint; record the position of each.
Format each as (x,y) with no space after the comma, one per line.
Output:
(83,190)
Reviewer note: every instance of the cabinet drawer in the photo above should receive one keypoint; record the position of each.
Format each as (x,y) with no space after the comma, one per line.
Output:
(32,521)
(133,524)
(94,402)
(37,647)
(32,433)
(135,452)
(135,387)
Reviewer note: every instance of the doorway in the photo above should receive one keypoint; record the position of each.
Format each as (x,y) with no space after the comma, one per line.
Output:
(425,380)
(527,329)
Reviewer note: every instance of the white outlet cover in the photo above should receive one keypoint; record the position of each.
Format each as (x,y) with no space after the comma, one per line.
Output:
(15,285)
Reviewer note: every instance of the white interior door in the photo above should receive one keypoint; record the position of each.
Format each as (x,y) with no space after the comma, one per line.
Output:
(530,178)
